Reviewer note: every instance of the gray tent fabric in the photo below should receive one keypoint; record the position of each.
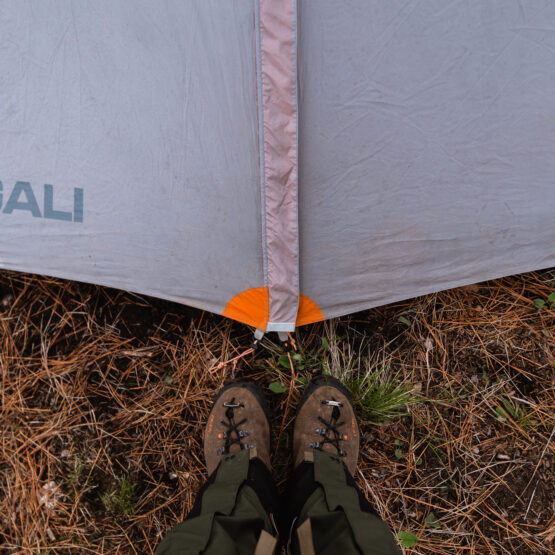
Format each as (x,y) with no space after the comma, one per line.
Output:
(277,161)
(150,109)
(427,146)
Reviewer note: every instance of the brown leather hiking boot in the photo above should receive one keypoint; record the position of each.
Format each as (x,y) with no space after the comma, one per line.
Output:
(239,419)
(326,421)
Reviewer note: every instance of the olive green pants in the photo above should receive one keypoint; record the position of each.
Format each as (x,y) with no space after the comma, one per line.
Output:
(238,512)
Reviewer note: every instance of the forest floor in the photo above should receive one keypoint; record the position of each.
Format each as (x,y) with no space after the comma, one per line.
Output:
(104,396)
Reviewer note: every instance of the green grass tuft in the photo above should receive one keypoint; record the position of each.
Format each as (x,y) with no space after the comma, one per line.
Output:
(381,397)
(122,499)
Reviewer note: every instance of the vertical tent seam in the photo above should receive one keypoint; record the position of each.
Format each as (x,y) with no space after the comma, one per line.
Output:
(278,323)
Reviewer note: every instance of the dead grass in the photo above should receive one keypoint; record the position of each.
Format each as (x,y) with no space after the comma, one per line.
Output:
(104,394)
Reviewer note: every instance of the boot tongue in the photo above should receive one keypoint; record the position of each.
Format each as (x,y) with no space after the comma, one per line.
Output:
(235,448)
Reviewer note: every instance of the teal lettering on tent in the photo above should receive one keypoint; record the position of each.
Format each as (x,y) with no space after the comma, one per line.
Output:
(29,205)
(49,211)
(77,204)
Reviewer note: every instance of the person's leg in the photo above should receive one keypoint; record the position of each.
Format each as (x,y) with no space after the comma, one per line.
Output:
(327,512)
(236,509)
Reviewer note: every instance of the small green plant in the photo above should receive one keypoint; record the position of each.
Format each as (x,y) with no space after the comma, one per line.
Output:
(431,521)
(122,499)
(80,480)
(545,303)
(380,397)
(403,320)
(309,360)
(510,408)
(296,359)
(277,387)
(75,475)
(406,539)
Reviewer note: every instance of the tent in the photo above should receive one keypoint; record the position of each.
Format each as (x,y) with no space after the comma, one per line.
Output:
(277,161)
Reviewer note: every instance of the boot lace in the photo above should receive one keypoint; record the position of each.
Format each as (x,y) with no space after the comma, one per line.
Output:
(330,432)
(232,434)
